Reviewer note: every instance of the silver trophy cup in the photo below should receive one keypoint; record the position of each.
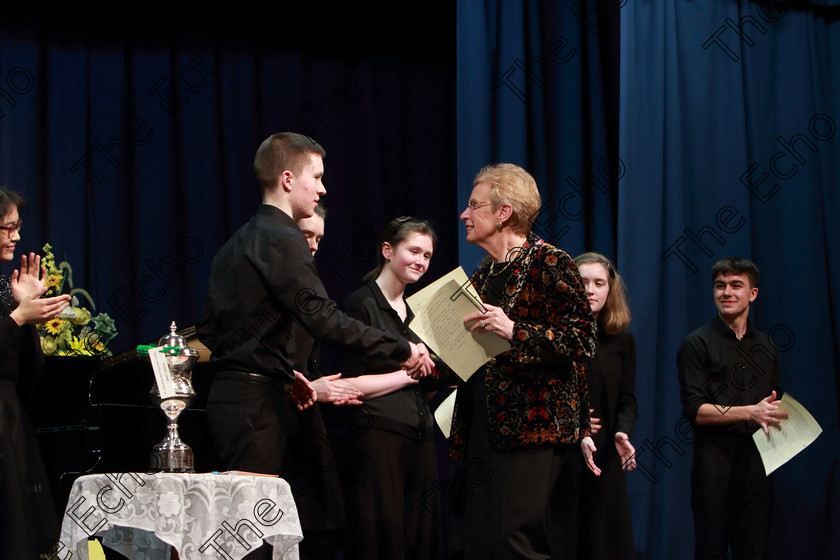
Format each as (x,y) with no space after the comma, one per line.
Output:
(172,454)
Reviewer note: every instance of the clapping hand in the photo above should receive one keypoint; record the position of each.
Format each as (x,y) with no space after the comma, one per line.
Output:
(28,285)
(28,281)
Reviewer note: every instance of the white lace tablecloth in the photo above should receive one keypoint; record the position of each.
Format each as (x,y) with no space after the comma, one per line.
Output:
(202,516)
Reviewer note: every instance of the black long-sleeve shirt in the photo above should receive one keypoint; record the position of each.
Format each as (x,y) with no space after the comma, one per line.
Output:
(261,281)
(717,368)
(611,377)
(403,411)
(21,358)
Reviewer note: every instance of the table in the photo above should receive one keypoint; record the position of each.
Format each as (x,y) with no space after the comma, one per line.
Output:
(201,516)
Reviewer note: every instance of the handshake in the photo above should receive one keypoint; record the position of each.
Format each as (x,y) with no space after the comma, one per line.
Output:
(419,364)
(333,389)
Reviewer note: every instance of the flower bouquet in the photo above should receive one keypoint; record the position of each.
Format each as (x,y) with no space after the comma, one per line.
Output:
(76,332)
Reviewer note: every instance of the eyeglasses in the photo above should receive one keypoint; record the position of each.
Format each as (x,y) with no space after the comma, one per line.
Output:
(12,227)
(472,205)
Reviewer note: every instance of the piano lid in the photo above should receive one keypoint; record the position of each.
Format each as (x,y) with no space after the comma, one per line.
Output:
(189,333)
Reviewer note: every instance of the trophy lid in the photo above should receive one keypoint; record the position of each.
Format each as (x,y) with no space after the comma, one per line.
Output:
(172,339)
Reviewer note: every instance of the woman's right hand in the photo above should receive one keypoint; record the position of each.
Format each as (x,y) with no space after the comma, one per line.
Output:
(587,447)
(33,309)
(595,423)
(27,284)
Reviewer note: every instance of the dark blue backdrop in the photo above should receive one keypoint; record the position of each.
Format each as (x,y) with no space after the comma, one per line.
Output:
(664,134)
(721,141)
(132,132)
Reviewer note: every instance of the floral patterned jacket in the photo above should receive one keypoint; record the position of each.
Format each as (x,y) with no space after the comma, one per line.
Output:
(536,391)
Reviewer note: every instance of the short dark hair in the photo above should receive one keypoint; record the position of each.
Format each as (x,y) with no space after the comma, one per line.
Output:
(8,200)
(282,151)
(736,265)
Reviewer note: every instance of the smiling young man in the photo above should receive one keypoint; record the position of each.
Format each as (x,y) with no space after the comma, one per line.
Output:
(262,284)
(729,378)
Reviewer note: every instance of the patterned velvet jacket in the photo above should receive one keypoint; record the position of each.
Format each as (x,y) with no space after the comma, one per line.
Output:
(536,391)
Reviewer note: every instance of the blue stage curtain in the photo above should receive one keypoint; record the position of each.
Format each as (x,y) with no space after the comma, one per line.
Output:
(131,129)
(537,87)
(724,144)
(729,114)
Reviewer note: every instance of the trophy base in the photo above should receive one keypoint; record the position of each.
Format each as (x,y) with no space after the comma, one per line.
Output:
(172,455)
(172,460)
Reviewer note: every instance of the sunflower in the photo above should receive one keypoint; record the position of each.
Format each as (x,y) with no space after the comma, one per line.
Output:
(75,332)
(78,348)
(53,281)
(54,326)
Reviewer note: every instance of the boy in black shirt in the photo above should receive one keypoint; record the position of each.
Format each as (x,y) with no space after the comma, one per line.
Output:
(262,281)
(729,378)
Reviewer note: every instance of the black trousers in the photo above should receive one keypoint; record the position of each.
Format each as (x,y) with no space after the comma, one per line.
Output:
(731,498)
(249,421)
(517,504)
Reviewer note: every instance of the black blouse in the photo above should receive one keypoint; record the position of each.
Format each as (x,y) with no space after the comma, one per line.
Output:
(404,411)
(20,346)
(611,376)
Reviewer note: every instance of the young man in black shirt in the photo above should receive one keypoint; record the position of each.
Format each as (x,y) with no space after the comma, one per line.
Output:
(263,281)
(729,379)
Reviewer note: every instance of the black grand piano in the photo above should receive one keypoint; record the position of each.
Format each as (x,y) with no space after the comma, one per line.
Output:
(94,415)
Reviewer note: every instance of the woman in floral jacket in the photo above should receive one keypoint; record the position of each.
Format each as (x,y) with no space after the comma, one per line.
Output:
(519,421)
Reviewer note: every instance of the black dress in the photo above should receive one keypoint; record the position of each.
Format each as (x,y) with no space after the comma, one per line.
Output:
(28,520)
(605,518)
